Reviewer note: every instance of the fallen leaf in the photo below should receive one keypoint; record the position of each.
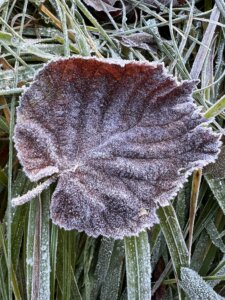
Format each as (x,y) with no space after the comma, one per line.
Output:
(122,137)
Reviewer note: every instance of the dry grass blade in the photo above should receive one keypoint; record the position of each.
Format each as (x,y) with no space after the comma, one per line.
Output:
(196,181)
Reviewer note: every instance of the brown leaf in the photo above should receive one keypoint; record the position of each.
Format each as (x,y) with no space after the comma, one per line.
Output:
(122,136)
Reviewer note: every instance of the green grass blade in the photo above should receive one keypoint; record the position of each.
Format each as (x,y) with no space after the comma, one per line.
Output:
(216,109)
(30,246)
(214,236)
(104,257)
(53,257)
(3,265)
(198,255)
(219,271)
(174,237)
(3,125)
(66,265)
(217,187)
(19,219)
(13,280)
(44,277)
(113,281)
(95,23)
(62,266)
(138,267)
(195,287)
(3,178)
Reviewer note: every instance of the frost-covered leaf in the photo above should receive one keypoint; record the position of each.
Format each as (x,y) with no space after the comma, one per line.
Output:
(195,287)
(122,136)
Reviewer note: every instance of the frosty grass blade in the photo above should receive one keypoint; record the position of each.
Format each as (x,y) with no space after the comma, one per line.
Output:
(122,137)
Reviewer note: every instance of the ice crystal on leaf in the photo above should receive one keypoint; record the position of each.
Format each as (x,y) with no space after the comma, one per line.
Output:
(122,137)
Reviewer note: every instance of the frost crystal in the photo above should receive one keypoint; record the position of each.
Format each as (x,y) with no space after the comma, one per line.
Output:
(122,137)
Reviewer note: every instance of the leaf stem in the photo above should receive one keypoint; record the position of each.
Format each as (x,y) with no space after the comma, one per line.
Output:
(33,193)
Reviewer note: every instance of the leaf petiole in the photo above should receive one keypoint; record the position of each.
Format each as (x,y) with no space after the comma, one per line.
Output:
(34,192)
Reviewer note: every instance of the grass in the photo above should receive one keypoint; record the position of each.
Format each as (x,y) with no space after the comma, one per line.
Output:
(40,261)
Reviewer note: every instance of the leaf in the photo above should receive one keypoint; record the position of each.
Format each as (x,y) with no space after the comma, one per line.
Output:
(196,287)
(122,137)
